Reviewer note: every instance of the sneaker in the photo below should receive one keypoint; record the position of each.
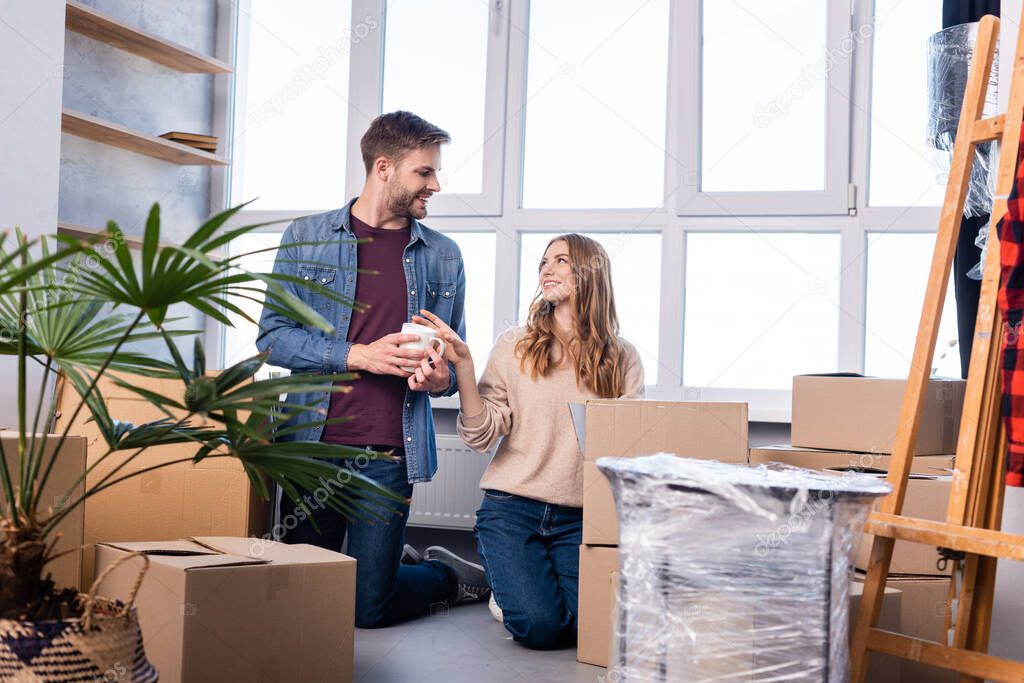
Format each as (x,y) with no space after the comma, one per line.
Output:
(410,555)
(469,577)
(492,605)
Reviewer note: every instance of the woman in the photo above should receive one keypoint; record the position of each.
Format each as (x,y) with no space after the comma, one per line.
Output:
(529,527)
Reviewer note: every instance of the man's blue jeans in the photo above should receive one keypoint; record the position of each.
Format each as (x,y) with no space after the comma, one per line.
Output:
(387,592)
(531,553)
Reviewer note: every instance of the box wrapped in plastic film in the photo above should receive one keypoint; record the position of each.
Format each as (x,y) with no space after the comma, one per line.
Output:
(734,573)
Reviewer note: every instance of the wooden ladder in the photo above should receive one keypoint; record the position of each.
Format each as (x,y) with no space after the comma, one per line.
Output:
(971,531)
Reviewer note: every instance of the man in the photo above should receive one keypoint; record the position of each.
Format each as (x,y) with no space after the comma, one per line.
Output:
(403,267)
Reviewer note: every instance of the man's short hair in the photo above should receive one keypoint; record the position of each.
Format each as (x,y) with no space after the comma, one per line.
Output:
(393,135)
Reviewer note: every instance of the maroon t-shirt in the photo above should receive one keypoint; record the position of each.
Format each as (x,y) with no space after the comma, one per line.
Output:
(375,401)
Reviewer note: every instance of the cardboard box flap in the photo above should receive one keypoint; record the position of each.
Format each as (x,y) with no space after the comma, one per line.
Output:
(868,463)
(884,473)
(876,378)
(185,554)
(578,411)
(786,449)
(271,551)
(12,433)
(182,547)
(856,469)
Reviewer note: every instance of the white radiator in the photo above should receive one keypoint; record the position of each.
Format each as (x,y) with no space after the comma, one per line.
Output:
(451,500)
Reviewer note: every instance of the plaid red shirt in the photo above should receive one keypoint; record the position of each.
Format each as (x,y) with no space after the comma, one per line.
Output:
(1011,303)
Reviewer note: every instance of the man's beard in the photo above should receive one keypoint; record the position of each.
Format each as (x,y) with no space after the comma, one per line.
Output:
(400,202)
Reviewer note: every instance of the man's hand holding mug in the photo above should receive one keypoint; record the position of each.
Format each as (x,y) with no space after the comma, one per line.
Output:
(432,372)
(386,355)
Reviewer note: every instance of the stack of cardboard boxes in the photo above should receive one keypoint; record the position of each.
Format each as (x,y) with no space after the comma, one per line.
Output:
(210,498)
(848,422)
(199,591)
(626,428)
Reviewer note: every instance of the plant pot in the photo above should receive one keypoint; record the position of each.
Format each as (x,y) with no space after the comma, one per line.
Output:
(105,644)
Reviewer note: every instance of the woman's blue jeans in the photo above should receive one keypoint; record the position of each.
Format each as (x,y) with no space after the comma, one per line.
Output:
(531,553)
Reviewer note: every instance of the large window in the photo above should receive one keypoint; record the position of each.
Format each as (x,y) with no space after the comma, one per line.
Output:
(903,171)
(595,104)
(764,107)
(293,104)
(760,308)
(758,171)
(478,258)
(763,122)
(457,48)
(898,267)
(257,251)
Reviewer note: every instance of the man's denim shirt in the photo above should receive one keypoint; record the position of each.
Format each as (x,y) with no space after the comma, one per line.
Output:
(435,279)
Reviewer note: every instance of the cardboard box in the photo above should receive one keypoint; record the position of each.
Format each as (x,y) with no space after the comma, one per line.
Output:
(598,594)
(882,668)
(60,489)
(817,459)
(240,609)
(927,497)
(211,498)
(923,607)
(712,431)
(599,586)
(853,413)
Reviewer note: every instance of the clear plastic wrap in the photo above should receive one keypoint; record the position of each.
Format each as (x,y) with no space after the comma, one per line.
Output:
(949,56)
(733,573)
(981,241)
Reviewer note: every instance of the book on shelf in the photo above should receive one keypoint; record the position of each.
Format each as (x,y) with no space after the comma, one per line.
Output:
(206,143)
(179,136)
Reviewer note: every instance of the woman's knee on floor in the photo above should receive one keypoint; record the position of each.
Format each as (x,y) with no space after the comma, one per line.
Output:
(373,610)
(372,619)
(539,629)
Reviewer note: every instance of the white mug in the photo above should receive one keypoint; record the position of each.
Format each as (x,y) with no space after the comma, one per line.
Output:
(427,336)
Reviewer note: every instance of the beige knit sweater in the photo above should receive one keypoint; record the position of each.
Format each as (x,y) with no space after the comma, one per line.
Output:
(539,456)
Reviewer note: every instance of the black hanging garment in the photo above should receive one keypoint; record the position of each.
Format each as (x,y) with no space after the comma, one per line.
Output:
(967,290)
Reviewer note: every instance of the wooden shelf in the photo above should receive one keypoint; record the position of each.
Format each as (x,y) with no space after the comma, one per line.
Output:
(92,128)
(88,22)
(83,232)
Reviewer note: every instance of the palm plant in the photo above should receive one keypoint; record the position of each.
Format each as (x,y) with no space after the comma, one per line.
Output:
(75,312)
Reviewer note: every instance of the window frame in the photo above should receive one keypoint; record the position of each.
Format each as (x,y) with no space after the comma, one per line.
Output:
(367,75)
(691,200)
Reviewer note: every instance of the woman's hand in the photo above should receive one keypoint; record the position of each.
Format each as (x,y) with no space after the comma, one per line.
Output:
(456,351)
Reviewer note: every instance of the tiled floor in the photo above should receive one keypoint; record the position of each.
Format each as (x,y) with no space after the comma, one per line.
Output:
(464,645)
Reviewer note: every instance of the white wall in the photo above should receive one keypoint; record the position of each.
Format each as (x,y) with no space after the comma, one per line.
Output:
(31,81)
(31,65)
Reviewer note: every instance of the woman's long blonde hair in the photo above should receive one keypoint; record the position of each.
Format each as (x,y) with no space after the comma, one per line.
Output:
(595,350)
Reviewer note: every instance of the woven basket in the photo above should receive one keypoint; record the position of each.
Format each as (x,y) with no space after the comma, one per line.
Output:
(104,645)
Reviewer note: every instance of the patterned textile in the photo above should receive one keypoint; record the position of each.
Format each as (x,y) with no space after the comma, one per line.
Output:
(1011,303)
(65,652)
